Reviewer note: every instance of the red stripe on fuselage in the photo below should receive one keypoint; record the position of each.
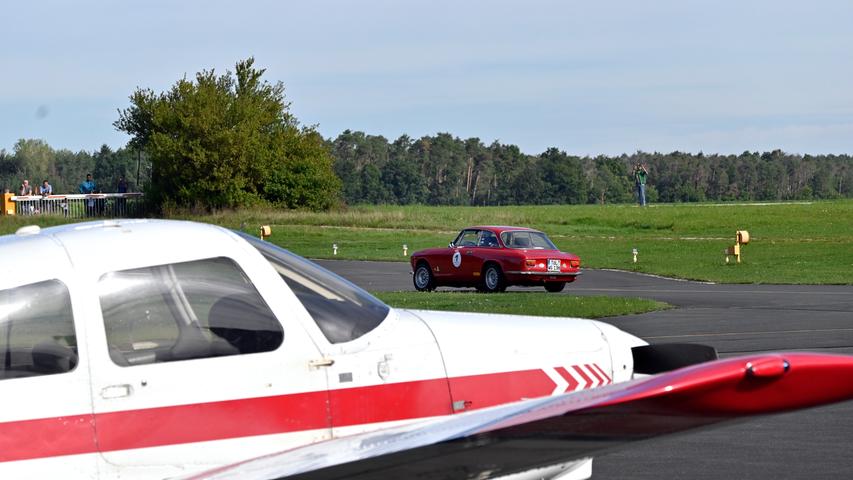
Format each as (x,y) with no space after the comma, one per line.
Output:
(480,391)
(568,377)
(152,427)
(199,422)
(595,373)
(587,381)
(390,402)
(607,379)
(46,437)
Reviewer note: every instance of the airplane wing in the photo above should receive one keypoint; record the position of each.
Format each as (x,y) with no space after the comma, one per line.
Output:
(548,431)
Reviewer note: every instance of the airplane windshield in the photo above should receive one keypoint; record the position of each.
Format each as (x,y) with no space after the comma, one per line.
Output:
(343,311)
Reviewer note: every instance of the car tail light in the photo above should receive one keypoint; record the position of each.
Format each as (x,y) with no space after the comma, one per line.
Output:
(576,263)
(530,263)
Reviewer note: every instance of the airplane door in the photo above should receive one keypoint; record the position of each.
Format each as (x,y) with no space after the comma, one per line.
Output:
(201,368)
(393,374)
(43,356)
(383,365)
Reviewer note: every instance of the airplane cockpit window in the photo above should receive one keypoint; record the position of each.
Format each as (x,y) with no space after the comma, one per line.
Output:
(183,311)
(36,330)
(343,311)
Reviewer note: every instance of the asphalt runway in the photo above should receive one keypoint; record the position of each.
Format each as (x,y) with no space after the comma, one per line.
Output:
(736,319)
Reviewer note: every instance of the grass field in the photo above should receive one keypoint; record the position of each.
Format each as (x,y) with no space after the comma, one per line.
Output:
(810,243)
(522,303)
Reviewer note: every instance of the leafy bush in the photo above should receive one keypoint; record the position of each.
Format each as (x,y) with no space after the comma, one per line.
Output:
(228,141)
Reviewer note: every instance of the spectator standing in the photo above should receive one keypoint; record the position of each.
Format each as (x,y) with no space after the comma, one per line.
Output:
(121,203)
(25,189)
(27,208)
(640,175)
(122,185)
(45,188)
(87,188)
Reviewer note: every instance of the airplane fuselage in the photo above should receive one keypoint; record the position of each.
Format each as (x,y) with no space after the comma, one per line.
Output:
(147,349)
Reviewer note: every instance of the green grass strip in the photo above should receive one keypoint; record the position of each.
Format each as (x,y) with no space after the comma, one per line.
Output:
(523,303)
(792,243)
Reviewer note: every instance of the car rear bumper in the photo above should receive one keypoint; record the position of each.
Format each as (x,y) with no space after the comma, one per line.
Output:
(544,275)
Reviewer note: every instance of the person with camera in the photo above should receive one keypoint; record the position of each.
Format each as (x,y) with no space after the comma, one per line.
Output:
(640,175)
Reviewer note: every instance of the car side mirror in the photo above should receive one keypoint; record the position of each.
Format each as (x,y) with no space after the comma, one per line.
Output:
(451,245)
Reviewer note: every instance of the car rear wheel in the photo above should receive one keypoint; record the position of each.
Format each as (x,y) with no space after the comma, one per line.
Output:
(493,279)
(555,287)
(423,279)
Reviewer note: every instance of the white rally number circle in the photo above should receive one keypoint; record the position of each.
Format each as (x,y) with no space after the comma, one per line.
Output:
(457,259)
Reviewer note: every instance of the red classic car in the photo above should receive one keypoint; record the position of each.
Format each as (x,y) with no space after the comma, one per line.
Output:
(493,258)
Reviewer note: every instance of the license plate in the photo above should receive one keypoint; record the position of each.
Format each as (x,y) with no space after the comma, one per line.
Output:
(553,265)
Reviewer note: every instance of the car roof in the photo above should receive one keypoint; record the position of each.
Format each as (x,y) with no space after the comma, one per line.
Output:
(498,229)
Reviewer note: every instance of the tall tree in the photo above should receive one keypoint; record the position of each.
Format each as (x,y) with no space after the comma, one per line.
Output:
(611,182)
(508,181)
(401,175)
(228,140)
(33,158)
(561,176)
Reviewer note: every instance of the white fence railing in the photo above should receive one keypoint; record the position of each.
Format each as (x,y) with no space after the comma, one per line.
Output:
(110,205)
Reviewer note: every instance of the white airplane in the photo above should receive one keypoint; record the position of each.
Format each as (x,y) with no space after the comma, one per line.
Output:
(156,349)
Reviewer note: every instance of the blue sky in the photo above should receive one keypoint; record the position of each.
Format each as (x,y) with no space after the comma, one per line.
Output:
(608,77)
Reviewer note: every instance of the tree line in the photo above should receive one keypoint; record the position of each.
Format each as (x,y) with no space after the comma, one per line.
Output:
(36,161)
(446,170)
(219,141)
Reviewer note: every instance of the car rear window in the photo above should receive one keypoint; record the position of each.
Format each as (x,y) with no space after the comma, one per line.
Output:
(527,239)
